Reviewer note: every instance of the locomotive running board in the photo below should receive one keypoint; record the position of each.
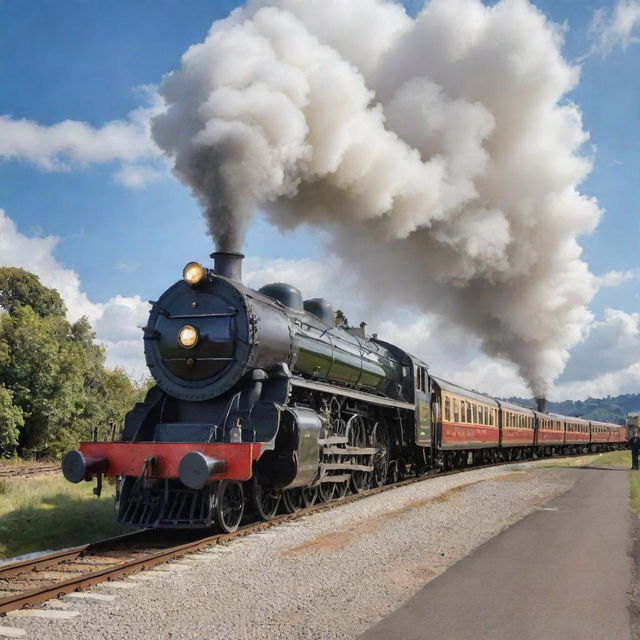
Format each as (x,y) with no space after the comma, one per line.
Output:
(351,393)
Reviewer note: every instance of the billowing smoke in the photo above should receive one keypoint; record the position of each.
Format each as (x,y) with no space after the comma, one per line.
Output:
(440,152)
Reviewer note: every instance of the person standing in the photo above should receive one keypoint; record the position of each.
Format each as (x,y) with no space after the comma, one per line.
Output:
(634,443)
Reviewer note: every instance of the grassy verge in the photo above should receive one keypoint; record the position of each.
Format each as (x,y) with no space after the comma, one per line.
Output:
(620,459)
(47,512)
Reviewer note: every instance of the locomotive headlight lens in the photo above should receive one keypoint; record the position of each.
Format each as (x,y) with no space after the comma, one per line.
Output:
(193,273)
(188,336)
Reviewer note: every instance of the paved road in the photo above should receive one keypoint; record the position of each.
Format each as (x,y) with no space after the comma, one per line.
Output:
(563,572)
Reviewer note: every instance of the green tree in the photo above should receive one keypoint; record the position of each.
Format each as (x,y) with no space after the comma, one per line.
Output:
(19,288)
(11,421)
(53,374)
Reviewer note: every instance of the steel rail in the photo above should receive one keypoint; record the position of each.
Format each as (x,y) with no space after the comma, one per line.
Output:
(20,472)
(33,597)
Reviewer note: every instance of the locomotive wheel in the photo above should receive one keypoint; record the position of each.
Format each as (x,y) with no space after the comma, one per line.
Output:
(293,500)
(342,488)
(309,496)
(357,437)
(229,505)
(394,471)
(266,500)
(327,491)
(380,462)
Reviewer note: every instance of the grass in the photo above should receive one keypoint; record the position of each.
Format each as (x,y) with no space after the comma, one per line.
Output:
(47,512)
(620,459)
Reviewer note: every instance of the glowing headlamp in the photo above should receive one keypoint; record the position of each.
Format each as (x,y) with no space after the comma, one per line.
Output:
(193,273)
(188,337)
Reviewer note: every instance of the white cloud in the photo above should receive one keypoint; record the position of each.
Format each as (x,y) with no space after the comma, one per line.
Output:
(618,28)
(615,278)
(114,321)
(71,145)
(314,278)
(611,345)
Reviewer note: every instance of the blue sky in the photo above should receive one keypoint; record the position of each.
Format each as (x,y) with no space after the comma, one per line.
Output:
(85,60)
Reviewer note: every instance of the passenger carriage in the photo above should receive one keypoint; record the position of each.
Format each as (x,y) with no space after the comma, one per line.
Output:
(576,433)
(469,419)
(549,432)
(600,434)
(517,428)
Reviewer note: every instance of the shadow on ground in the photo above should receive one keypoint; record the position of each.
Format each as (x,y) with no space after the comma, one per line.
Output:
(56,522)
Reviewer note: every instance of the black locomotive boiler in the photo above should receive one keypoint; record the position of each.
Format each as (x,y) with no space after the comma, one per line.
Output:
(268,401)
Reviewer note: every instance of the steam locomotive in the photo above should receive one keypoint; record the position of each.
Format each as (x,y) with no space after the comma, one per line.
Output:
(264,401)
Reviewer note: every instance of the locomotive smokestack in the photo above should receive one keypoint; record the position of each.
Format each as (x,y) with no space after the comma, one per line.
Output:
(542,404)
(228,264)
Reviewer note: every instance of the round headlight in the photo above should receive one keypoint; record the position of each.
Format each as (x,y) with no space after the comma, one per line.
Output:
(193,273)
(188,337)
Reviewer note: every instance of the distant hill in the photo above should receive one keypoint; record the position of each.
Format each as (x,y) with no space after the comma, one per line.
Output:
(609,409)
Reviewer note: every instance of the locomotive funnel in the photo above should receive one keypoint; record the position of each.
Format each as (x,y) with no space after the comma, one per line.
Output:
(542,404)
(228,264)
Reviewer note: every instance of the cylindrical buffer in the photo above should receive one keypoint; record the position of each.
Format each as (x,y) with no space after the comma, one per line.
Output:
(195,469)
(76,466)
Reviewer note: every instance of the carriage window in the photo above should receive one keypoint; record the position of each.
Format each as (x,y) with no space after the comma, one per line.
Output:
(474,414)
(469,414)
(463,411)
(447,409)
(456,410)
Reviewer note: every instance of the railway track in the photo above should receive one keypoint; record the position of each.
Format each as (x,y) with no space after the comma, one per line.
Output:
(24,472)
(29,583)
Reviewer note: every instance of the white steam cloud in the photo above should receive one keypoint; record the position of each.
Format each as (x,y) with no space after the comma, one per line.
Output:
(440,153)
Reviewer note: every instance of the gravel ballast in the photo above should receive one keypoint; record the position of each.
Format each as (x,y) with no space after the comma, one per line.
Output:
(329,575)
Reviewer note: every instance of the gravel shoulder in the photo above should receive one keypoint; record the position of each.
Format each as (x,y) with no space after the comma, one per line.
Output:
(330,575)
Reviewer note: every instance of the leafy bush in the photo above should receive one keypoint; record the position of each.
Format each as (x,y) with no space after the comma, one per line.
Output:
(54,387)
